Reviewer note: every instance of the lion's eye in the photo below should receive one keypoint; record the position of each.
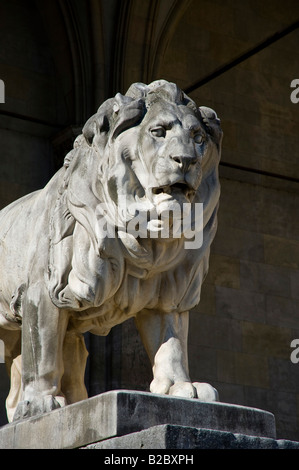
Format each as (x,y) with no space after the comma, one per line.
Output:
(158,131)
(198,138)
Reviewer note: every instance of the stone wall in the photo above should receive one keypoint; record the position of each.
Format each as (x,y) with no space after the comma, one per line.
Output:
(242,330)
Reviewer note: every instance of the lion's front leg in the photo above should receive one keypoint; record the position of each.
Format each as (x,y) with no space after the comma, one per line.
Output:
(165,339)
(43,331)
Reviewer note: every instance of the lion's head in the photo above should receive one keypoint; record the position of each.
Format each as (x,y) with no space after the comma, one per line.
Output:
(148,152)
(148,149)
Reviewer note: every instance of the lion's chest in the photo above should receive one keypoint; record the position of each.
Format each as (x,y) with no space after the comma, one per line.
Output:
(123,287)
(163,291)
(161,285)
(159,291)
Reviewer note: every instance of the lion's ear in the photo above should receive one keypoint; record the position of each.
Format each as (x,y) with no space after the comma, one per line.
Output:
(99,123)
(211,122)
(89,129)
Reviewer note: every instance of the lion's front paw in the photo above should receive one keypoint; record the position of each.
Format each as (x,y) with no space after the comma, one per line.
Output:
(37,406)
(160,386)
(205,392)
(167,387)
(183,389)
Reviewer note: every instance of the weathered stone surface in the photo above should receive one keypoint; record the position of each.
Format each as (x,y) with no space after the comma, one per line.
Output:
(168,436)
(122,412)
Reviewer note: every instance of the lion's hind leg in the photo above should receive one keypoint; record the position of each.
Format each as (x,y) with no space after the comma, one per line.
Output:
(15,392)
(12,347)
(74,359)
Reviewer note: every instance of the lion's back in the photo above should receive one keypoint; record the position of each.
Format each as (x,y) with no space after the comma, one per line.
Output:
(15,215)
(24,234)
(15,246)
(14,207)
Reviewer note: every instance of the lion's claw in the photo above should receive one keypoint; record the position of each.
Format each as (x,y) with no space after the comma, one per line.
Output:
(167,387)
(37,406)
(205,392)
(200,390)
(160,386)
(183,389)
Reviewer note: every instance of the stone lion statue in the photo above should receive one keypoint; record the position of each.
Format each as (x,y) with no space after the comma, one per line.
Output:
(116,233)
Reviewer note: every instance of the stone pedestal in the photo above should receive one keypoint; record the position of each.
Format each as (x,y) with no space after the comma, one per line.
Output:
(125,419)
(168,436)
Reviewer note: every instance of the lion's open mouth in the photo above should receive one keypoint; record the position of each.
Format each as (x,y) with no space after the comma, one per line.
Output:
(175,189)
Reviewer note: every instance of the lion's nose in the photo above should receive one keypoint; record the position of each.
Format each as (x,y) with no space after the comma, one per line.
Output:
(184,161)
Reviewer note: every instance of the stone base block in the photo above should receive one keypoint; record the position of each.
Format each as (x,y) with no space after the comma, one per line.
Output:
(122,412)
(168,436)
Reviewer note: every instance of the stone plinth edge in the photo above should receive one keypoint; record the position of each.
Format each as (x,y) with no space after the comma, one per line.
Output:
(122,412)
(169,436)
